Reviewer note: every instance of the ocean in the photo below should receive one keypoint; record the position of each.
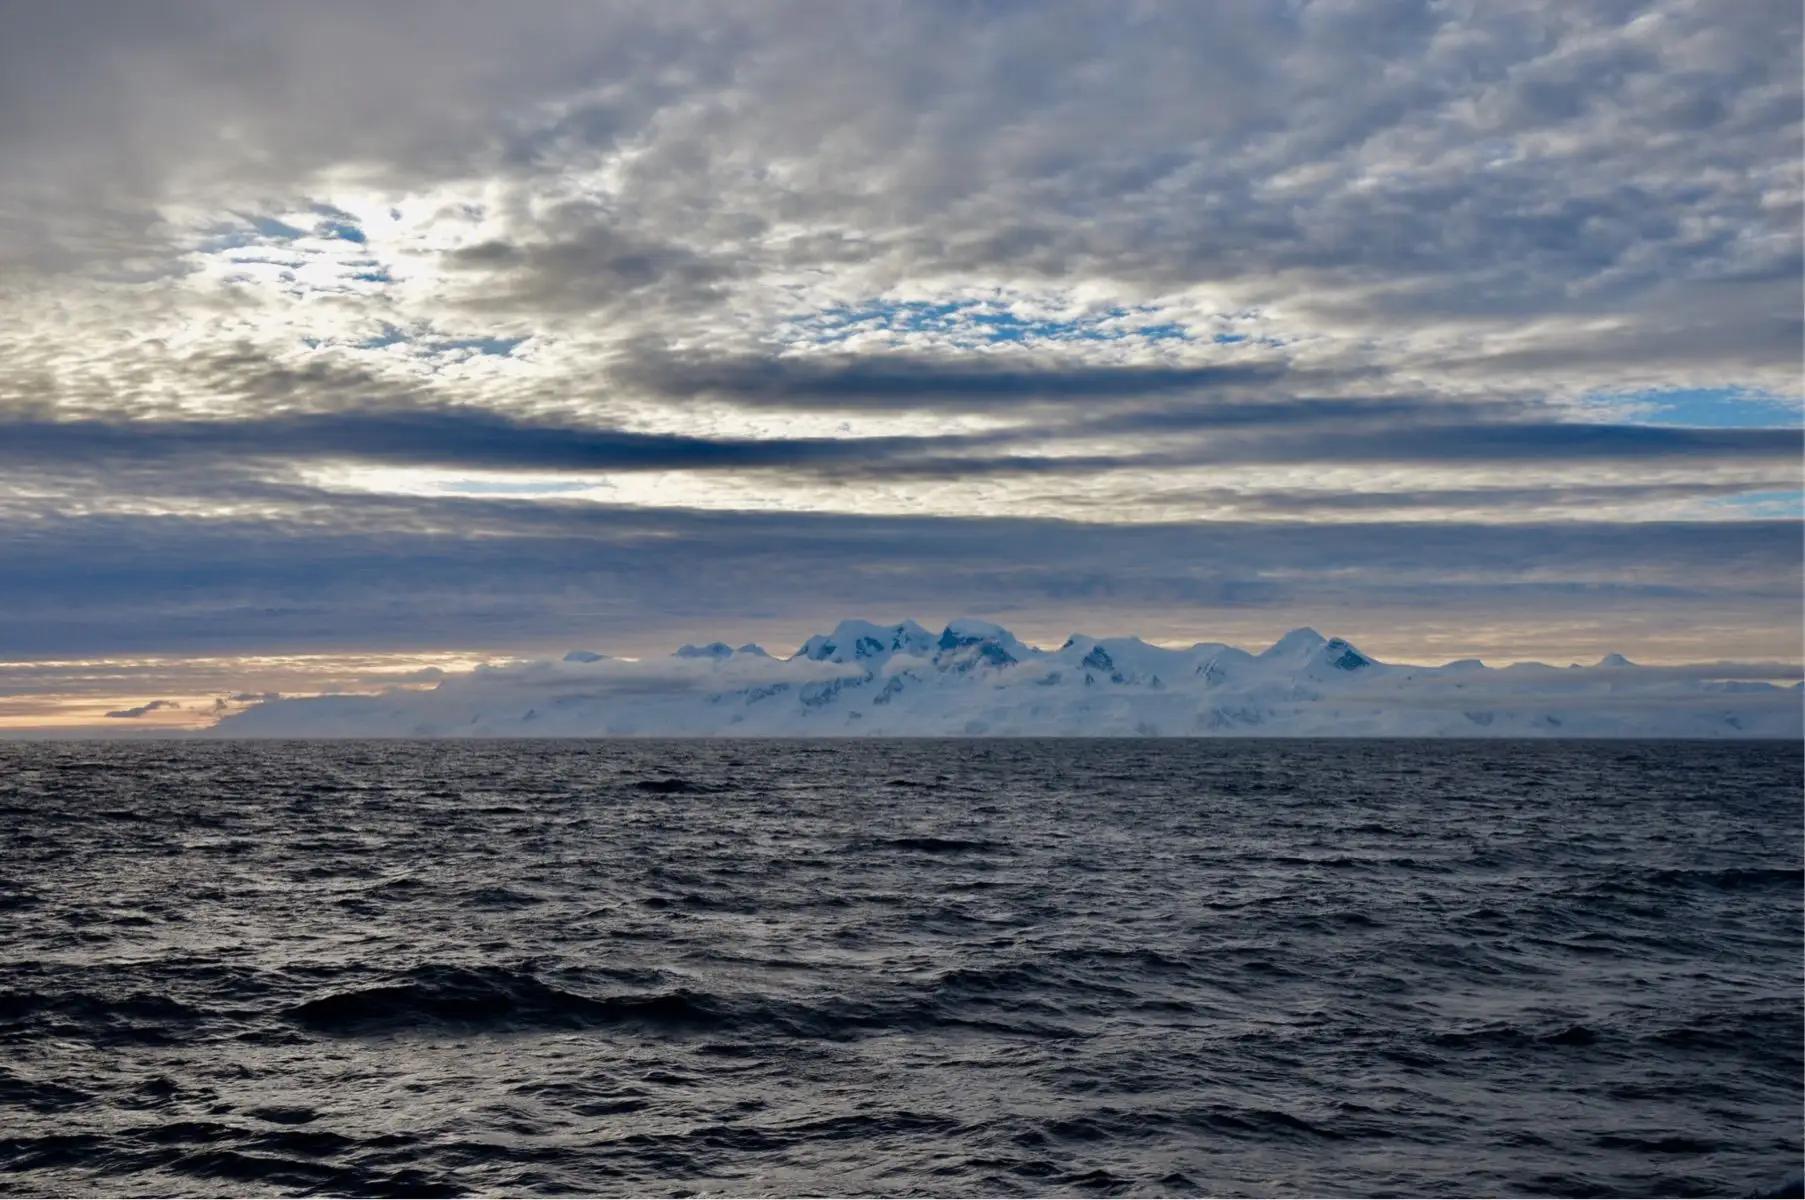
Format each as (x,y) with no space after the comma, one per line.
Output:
(944,967)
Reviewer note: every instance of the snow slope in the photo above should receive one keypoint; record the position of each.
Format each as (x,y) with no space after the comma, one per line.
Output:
(976,678)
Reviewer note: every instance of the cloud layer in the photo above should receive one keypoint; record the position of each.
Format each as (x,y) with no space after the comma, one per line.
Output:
(350,330)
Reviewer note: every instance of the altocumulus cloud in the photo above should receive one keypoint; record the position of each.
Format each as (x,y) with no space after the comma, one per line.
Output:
(436,329)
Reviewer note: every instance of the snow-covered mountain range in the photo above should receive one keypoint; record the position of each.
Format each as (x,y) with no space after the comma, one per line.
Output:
(976,678)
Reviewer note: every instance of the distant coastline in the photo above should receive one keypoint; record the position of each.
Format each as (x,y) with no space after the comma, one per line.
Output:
(976,679)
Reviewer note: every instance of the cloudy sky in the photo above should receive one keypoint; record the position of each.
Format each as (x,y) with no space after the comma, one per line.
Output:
(341,344)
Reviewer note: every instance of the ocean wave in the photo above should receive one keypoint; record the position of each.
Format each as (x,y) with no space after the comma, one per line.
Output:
(428,996)
(1731,879)
(674,787)
(136,1016)
(931,844)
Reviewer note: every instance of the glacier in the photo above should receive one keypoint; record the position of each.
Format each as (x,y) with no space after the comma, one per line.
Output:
(975,678)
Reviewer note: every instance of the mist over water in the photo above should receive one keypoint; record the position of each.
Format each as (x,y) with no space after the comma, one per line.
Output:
(945,967)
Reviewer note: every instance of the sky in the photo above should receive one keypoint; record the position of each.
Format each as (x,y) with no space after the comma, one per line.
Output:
(345,344)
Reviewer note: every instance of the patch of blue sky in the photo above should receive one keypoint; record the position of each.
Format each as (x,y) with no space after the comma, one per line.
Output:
(337,224)
(1782,505)
(427,342)
(496,347)
(269,227)
(221,239)
(263,232)
(984,322)
(1708,408)
(911,316)
(390,336)
(341,231)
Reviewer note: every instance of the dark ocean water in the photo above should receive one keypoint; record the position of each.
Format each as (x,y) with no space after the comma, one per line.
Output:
(997,967)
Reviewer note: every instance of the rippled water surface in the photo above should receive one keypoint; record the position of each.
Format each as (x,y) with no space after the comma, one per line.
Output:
(1003,967)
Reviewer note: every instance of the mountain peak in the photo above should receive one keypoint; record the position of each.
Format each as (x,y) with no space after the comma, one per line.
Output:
(1341,655)
(1296,644)
(996,645)
(863,641)
(966,630)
